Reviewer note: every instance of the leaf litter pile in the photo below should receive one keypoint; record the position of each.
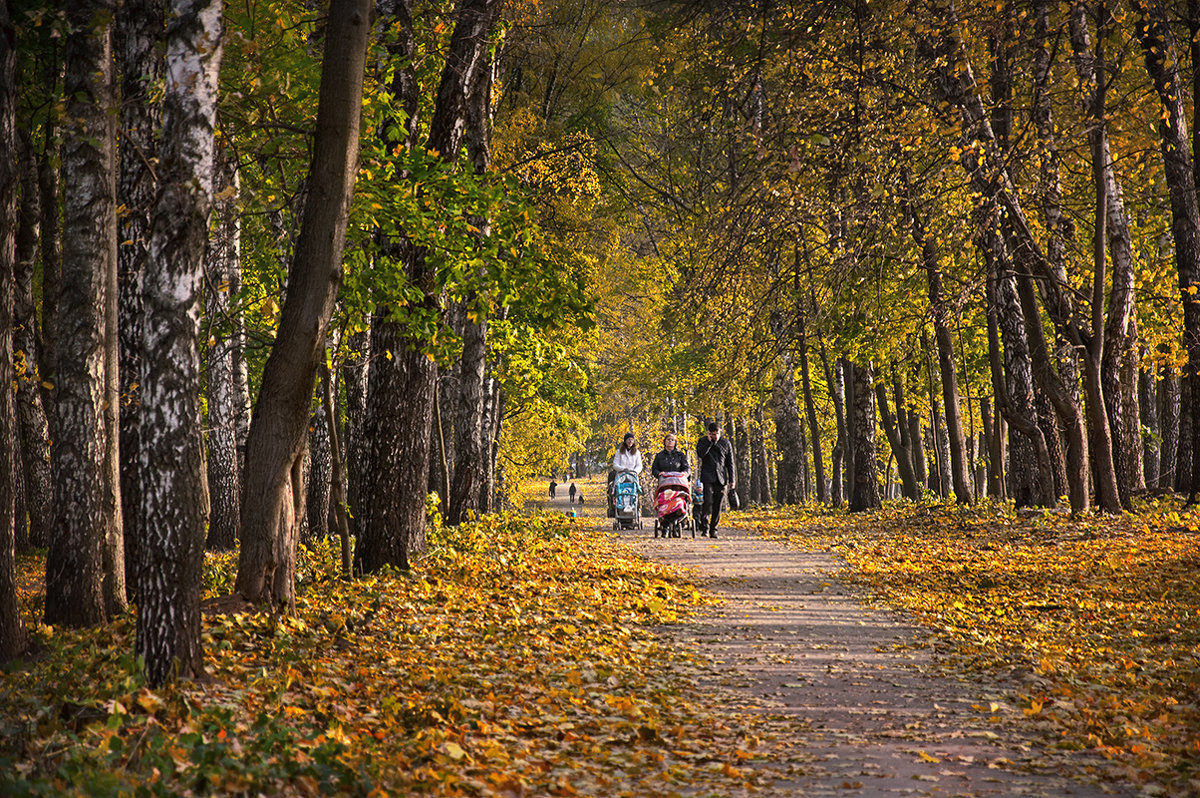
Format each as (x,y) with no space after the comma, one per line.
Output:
(1097,618)
(518,658)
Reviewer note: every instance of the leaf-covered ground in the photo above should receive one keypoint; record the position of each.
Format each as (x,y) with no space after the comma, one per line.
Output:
(518,659)
(1099,616)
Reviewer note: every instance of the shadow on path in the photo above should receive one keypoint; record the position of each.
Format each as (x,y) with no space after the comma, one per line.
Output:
(853,688)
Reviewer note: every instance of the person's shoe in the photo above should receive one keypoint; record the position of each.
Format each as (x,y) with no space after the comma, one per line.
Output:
(712,534)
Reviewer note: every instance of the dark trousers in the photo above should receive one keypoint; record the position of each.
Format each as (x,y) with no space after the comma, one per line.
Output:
(710,516)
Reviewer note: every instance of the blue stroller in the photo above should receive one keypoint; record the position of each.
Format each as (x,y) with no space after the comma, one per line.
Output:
(625,494)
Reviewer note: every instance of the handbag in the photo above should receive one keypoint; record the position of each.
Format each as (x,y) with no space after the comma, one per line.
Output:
(734,502)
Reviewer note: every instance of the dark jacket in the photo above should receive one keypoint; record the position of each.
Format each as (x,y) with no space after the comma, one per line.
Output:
(674,460)
(716,461)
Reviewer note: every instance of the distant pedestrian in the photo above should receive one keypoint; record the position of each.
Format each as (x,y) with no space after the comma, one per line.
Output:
(571,491)
(553,488)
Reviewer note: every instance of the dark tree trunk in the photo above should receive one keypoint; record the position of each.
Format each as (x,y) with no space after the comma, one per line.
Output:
(789,435)
(341,518)
(354,379)
(834,378)
(1147,403)
(900,448)
(958,464)
(31,415)
(12,631)
(1158,43)
(75,589)
(277,431)
(174,500)
(761,468)
(140,29)
(49,189)
(469,466)
(810,408)
(1030,477)
(320,474)
(1169,390)
(396,500)
(866,479)
(995,450)
(223,262)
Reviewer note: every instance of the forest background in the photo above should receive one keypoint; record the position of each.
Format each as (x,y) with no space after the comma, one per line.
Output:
(272,271)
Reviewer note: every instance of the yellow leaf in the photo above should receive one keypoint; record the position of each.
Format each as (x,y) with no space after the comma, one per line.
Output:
(455,751)
(927,757)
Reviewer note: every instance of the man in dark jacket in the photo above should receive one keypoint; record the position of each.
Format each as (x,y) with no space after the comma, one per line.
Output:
(716,471)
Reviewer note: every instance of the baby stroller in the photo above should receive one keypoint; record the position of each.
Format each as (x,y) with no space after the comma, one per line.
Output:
(624,495)
(673,505)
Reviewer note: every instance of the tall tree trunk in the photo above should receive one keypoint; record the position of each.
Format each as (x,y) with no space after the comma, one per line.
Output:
(75,562)
(469,466)
(958,463)
(223,261)
(140,28)
(12,630)
(995,456)
(834,380)
(789,436)
(277,430)
(320,474)
(1030,477)
(402,394)
(900,449)
(866,480)
(174,495)
(810,408)
(762,467)
(1107,349)
(341,517)
(1168,414)
(1187,425)
(49,189)
(354,379)
(954,80)
(31,415)
(1158,43)
(1147,403)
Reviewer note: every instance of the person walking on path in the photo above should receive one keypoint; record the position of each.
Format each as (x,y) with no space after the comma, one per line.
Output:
(553,488)
(628,458)
(571,492)
(716,472)
(670,459)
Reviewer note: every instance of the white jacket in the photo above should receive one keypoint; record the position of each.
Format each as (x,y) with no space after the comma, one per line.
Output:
(628,461)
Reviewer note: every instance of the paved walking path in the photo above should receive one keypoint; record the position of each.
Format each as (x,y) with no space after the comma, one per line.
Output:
(855,687)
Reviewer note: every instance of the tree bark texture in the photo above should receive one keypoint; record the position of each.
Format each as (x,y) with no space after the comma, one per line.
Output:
(760,489)
(900,447)
(223,261)
(354,379)
(395,500)
(12,630)
(789,435)
(1168,397)
(75,560)
(469,466)
(866,479)
(320,473)
(31,415)
(1158,44)
(280,421)
(1186,426)
(1148,405)
(49,190)
(140,31)
(174,500)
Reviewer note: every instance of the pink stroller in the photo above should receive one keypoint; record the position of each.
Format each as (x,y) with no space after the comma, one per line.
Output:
(673,504)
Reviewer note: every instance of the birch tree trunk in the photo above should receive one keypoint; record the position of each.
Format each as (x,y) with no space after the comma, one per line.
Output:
(174,496)
(31,415)
(75,560)
(277,429)
(141,26)
(223,261)
(1168,414)
(1150,443)
(12,630)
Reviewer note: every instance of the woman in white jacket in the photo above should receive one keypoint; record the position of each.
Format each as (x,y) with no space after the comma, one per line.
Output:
(628,457)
